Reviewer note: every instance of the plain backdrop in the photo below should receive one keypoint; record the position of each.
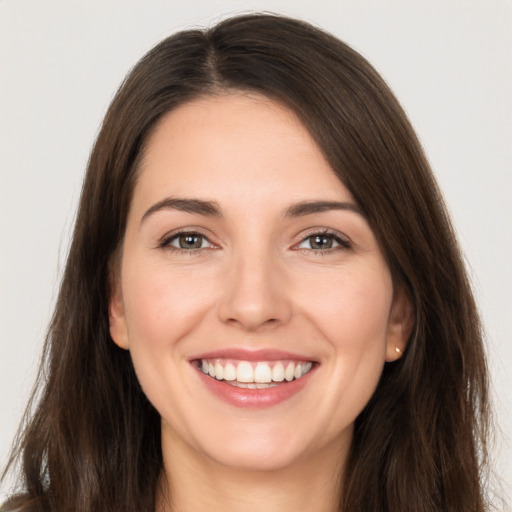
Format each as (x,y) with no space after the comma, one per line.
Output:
(449,63)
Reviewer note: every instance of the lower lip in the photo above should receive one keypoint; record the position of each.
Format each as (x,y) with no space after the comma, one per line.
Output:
(255,398)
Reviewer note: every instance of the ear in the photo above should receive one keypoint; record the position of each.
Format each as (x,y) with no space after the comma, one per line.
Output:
(400,325)
(116,315)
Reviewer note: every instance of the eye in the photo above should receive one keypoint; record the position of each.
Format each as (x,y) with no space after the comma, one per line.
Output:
(186,241)
(323,242)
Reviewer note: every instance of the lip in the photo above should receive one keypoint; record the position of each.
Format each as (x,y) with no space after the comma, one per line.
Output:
(253,398)
(252,355)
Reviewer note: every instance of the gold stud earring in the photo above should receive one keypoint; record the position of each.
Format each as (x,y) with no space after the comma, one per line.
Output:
(398,351)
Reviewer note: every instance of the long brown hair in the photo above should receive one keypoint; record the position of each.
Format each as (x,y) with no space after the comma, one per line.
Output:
(92,442)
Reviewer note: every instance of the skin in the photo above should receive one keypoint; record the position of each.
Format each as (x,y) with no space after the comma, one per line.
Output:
(256,282)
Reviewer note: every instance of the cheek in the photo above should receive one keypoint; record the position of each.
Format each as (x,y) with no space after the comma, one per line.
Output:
(162,305)
(162,308)
(351,308)
(350,313)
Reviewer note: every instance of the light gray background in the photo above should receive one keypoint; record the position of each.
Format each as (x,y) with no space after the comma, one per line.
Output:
(448,61)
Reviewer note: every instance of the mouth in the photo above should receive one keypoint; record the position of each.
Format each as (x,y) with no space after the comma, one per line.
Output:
(254,374)
(254,379)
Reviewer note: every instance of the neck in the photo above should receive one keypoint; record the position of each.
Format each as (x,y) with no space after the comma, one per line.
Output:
(192,482)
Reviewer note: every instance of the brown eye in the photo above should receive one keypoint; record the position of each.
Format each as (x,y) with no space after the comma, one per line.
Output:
(190,241)
(187,241)
(321,241)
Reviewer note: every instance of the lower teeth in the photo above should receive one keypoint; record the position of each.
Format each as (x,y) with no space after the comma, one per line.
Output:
(250,385)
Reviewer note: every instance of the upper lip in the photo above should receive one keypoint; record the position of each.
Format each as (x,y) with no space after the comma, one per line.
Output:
(242,354)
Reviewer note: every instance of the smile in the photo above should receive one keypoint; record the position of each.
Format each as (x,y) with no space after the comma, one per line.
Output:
(254,374)
(254,379)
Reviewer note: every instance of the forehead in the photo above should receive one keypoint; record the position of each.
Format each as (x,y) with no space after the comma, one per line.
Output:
(235,146)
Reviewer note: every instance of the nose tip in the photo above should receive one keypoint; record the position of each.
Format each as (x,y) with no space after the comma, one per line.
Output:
(255,297)
(251,318)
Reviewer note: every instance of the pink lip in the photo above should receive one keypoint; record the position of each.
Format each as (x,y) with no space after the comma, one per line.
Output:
(252,398)
(251,355)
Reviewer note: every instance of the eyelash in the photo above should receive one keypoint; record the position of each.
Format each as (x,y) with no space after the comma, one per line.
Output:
(165,243)
(344,244)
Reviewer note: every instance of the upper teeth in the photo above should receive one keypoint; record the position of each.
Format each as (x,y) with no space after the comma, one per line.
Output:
(260,372)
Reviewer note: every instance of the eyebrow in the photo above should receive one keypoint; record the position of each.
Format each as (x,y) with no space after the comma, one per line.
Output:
(212,209)
(310,207)
(198,206)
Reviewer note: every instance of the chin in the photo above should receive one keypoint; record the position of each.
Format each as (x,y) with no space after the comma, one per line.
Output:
(257,458)
(260,447)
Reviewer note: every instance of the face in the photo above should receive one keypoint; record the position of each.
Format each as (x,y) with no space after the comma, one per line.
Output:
(251,292)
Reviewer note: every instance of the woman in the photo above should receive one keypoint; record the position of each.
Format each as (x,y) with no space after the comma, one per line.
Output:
(264,305)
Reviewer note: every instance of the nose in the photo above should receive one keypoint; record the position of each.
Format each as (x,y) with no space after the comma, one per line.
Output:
(255,293)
